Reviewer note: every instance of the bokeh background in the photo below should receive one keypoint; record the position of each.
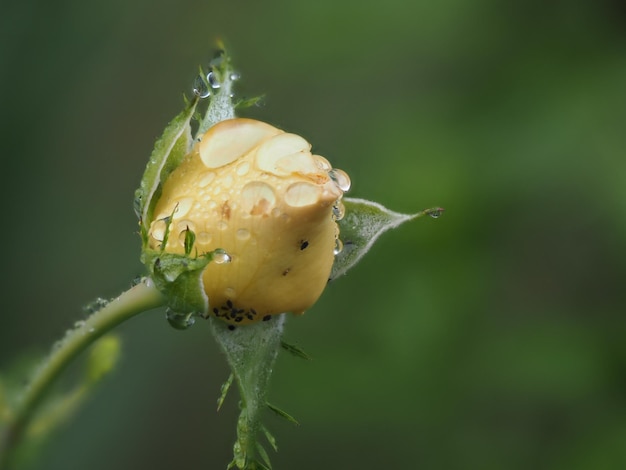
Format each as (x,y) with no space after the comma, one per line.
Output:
(491,338)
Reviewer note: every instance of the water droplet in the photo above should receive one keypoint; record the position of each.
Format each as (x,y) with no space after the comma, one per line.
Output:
(222,225)
(79,324)
(338,247)
(183,225)
(200,87)
(206,179)
(243,168)
(341,179)
(137,203)
(302,194)
(179,321)
(322,163)
(204,238)
(257,198)
(95,305)
(234,76)
(157,230)
(435,213)
(213,81)
(220,256)
(339,210)
(229,292)
(243,234)
(278,147)
(227,181)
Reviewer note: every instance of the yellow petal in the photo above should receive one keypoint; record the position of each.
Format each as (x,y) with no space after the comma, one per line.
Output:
(260,195)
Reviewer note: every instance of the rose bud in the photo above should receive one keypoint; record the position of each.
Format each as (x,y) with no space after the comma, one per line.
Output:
(268,206)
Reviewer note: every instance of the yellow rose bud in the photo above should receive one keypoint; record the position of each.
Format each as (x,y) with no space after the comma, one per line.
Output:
(260,195)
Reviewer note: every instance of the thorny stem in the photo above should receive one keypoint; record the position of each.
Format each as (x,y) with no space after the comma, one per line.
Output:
(144,296)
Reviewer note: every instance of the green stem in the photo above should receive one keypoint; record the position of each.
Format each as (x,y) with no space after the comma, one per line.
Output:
(251,351)
(144,296)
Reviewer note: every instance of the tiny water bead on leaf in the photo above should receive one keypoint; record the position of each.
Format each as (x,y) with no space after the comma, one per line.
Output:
(201,88)
(265,207)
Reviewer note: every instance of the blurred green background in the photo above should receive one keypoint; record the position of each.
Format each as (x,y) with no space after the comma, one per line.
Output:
(492,338)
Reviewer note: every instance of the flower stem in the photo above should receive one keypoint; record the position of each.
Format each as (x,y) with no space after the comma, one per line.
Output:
(251,351)
(144,296)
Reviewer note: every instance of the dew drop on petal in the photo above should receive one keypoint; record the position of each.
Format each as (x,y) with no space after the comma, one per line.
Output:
(278,147)
(183,206)
(157,230)
(339,210)
(257,198)
(243,234)
(206,179)
(322,163)
(338,247)
(341,179)
(221,257)
(302,194)
(243,168)
(200,88)
(204,238)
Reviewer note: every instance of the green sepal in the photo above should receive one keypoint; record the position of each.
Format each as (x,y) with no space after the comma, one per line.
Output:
(179,278)
(363,223)
(169,151)
(220,106)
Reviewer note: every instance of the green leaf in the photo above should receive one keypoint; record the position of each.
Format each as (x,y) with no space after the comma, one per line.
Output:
(283,414)
(363,223)
(224,391)
(295,350)
(249,102)
(263,454)
(103,357)
(270,438)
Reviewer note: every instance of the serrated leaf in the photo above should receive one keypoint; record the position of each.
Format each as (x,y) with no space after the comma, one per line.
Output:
(363,223)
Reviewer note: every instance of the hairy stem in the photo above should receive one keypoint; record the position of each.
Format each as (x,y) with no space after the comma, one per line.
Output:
(144,296)
(251,351)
